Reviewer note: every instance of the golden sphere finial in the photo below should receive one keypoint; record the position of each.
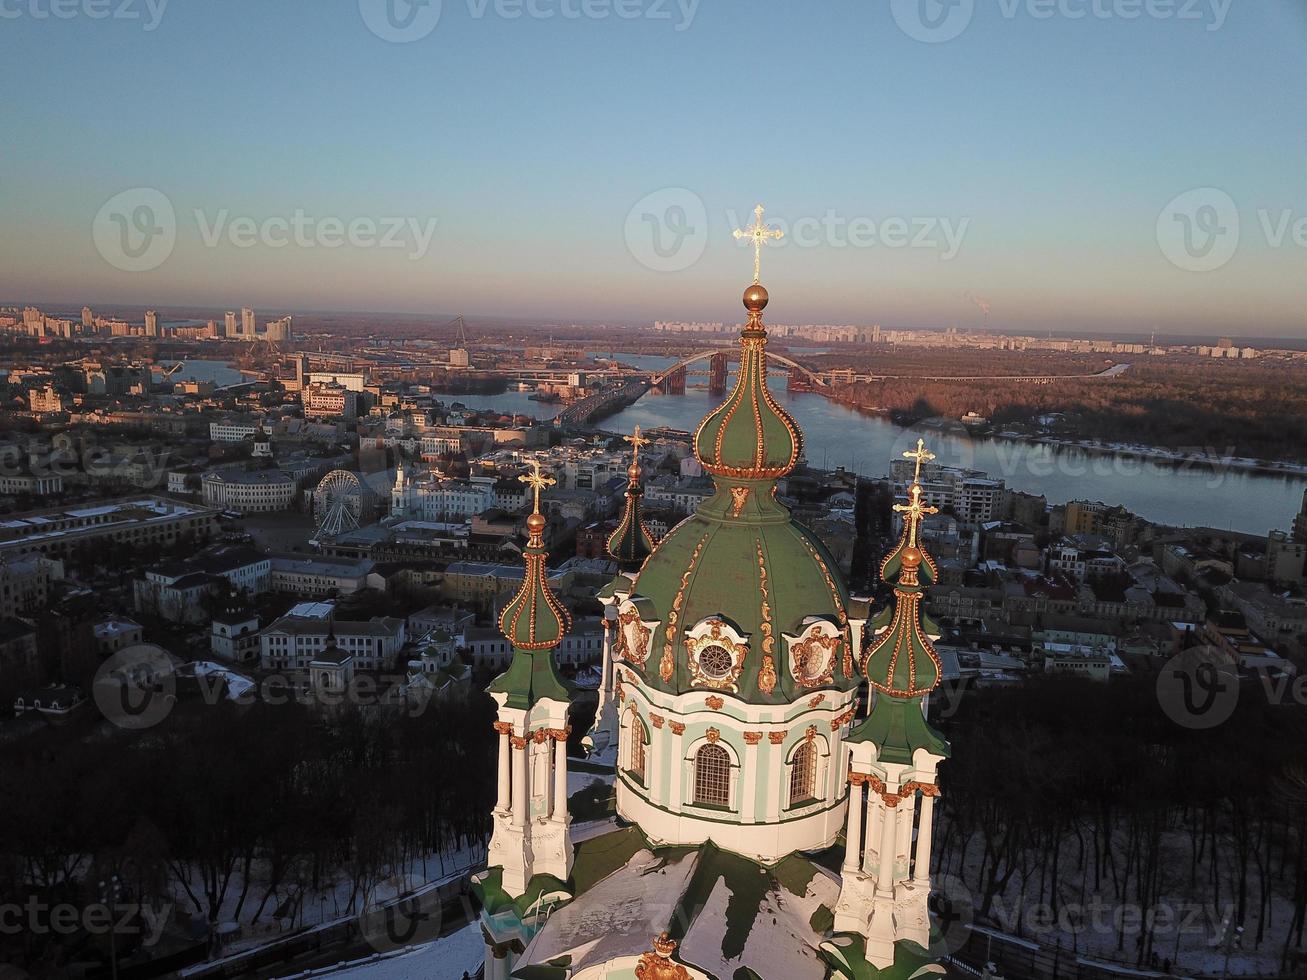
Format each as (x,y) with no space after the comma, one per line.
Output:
(755,298)
(535,523)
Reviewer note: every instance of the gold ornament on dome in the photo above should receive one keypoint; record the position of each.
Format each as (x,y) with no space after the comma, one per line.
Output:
(777,738)
(713,736)
(767,673)
(812,660)
(667,668)
(658,965)
(632,636)
(504,727)
(715,659)
(677,727)
(752,738)
(714,703)
(537,481)
(757,234)
(818,701)
(657,720)
(739,497)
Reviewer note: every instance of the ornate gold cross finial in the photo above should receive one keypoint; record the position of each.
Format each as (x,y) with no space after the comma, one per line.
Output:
(759,233)
(536,481)
(921,454)
(637,442)
(915,509)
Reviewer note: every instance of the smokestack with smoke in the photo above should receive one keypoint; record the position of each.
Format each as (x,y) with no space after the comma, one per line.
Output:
(981,302)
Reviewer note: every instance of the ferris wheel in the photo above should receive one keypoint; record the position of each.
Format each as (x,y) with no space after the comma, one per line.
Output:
(338,502)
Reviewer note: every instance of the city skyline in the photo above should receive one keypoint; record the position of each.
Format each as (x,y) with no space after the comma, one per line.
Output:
(1001,164)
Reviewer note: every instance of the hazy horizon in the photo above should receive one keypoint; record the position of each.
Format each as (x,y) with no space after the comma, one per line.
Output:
(916,168)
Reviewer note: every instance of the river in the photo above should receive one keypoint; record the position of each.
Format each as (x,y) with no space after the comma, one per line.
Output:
(835,435)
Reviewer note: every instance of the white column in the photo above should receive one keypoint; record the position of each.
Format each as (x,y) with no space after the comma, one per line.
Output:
(560,778)
(875,821)
(853,830)
(505,769)
(885,877)
(921,873)
(606,678)
(520,788)
(904,843)
(778,779)
(749,796)
(676,771)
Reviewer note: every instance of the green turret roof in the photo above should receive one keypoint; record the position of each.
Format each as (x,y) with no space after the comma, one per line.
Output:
(902,666)
(632,543)
(534,623)
(749,435)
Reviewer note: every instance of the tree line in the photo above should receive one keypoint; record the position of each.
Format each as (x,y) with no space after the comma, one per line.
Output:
(243,812)
(1061,790)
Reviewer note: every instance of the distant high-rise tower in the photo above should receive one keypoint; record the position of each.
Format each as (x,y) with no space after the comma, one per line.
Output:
(302,370)
(151,323)
(278,330)
(88,318)
(229,325)
(1300,522)
(247,324)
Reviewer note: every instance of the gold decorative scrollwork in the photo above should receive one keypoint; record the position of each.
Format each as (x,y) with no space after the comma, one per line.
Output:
(767,672)
(739,497)
(715,639)
(632,636)
(812,660)
(667,667)
(658,965)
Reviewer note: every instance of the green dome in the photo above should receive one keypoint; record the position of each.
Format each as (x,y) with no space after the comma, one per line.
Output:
(741,559)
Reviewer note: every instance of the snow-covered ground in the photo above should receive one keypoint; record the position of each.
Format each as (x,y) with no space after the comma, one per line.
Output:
(459,954)
(1190,930)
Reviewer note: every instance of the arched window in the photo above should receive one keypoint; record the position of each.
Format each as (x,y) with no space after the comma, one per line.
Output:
(712,776)
(803,775)
(639,753)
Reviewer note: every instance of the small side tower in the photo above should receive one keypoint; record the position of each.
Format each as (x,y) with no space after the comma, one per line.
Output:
(894,758)
(629,545)
(530,857)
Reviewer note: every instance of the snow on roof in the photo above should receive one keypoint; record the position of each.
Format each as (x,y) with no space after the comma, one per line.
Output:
(617,917)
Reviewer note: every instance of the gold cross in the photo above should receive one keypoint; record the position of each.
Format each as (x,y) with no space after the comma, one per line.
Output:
(637,442)
(920,454)
(759,233)
(915,510)
(537,481)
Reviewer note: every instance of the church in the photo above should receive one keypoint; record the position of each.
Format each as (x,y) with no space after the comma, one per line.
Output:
(771,823)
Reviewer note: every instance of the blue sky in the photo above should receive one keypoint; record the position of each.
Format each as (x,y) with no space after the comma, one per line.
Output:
(1031,159)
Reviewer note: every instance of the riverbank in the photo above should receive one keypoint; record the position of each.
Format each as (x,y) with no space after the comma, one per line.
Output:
(1205,459)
